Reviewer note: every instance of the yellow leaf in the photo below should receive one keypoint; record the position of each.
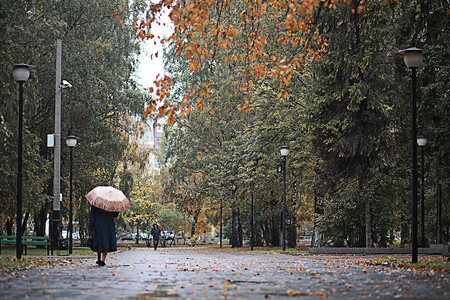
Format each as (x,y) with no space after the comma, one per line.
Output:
(226,284)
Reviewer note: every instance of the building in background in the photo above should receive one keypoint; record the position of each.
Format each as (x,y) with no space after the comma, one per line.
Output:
(153,133)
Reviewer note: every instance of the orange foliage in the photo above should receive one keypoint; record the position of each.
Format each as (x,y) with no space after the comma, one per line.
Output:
(194,19)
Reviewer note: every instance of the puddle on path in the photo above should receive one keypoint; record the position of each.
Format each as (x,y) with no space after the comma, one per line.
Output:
(154,295)
(250,281)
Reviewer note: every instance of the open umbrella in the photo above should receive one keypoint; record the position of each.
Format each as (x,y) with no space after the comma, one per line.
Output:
(108,198)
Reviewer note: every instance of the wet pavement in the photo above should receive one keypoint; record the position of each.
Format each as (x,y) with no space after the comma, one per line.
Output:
(205,273)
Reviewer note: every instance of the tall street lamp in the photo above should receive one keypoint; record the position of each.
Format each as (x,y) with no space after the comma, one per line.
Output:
(21,73)
(71,142)
(233,217)
(422,142)
(221,207)
(252,231)
(284,153)
(413,58)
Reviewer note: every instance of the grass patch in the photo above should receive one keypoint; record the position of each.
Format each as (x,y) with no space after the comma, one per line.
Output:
(8,264)
(288,251)
(439,265)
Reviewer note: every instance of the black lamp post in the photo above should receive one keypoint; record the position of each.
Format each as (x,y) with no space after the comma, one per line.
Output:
(233,217)
(71,142)
(413,58)
(220,234)
(21,73)
(284,153)
(422,142)
(252,232)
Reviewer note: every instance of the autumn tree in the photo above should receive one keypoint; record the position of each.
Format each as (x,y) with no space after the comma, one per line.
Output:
(318,75)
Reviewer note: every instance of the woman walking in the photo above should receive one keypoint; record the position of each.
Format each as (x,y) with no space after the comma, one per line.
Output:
(102,222)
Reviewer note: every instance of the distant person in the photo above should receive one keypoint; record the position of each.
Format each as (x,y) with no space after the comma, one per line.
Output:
(156,233)
(102,222)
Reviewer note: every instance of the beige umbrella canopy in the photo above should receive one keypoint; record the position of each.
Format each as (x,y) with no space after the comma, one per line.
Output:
(108,198)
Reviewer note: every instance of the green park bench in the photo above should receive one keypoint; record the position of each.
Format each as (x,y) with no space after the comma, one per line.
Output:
(26,241)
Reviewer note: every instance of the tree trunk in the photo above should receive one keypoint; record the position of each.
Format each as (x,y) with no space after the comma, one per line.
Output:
(9,227)
(265,227)
(367,203)
(404,234)
(83,220)
(137,232)
(275,232)
(193,228)
(239,241)
(24,222)
(292,233)
(40,218)
(236,227)
(438,204)
(147,240)
(317,238)
(194,224)
(233,226)
(368,210)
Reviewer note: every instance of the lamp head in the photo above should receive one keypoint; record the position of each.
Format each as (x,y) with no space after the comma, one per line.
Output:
(285,150)
(421,140)
(71,141)
(21,72)
(413,57)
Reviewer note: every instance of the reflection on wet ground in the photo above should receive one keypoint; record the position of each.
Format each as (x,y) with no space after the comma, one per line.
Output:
(157,294)
(193,273)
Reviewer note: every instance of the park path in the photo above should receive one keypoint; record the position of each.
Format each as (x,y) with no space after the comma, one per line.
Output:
(205,273)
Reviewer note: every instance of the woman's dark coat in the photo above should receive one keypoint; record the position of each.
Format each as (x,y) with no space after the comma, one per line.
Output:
(102,222)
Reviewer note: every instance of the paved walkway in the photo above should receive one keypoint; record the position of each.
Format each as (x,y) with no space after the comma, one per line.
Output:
(197,273)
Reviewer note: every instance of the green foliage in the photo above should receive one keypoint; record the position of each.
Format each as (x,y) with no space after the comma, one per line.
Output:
(345,116)
(346,119)
(216,148)
(98,58)
(172,219)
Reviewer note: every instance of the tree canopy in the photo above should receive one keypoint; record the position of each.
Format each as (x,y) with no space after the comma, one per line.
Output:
(98,59)
(321,76)
(242,78)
